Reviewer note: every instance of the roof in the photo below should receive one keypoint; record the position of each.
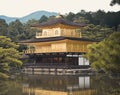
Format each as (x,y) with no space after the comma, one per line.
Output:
(58,21)
(35,40)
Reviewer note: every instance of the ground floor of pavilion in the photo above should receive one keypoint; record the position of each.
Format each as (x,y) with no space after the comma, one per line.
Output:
(57,62)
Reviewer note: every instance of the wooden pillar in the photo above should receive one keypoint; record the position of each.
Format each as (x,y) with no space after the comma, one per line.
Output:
(33,70)
(66,61)
(50,59)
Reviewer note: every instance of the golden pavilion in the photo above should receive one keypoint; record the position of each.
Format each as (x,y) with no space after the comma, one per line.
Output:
(59,46)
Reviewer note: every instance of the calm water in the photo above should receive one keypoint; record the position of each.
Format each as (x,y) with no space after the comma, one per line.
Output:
(61,85)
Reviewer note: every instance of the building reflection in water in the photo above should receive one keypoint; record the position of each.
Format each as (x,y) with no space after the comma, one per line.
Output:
(57,85)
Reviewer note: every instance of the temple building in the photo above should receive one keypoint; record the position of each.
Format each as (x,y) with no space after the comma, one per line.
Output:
(59,46)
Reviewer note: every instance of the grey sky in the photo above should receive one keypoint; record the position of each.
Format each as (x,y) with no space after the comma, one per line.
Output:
(19,8)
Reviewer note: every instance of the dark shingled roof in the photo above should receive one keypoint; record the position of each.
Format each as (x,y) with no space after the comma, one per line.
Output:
(58,21)
(35,40)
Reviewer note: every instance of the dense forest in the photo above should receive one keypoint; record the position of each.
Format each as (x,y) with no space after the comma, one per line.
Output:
(98,24)
(113,2)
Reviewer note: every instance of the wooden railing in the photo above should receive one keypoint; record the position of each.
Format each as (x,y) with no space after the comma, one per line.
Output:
(56,65)
(44,51)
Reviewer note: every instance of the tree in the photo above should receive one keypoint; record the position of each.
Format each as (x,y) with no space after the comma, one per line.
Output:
(99,17)
(81,19)
(28,31)
(3,27)
(32,22)
(9,56)
(96,32)
(43,19)
(70,16)
(113,2)
(16,31)
(105,55)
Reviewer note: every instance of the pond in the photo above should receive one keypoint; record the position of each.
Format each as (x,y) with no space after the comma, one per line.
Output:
(61,85)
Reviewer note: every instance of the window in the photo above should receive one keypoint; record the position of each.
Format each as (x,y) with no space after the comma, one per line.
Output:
(56,32)
(45,33)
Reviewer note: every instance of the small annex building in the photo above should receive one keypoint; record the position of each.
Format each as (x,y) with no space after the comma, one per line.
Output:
(59,46)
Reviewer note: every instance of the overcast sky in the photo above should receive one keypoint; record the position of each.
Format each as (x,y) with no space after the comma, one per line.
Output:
(19,8)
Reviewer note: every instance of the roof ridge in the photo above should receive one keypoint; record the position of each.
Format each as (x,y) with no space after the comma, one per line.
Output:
(57,21)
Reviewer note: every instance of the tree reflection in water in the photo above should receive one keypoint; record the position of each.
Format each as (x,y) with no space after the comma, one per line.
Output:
(11,87)
(60,85)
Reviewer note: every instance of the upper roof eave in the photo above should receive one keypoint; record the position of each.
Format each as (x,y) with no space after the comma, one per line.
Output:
(36,40)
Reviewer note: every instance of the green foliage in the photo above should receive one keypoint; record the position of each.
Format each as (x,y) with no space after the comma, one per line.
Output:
(16,30)
(11,87)
(105,55)
(3,76)
(96,32)
(8,54)
(106,85)
(28,31)
(99,17)
(31,22)
(109,19)
(113,2)
(19,31)
(70,16)
(3,27)
(43,19)
(81,19)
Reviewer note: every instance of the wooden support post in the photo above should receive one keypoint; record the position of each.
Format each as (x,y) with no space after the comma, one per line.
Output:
(33,70)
